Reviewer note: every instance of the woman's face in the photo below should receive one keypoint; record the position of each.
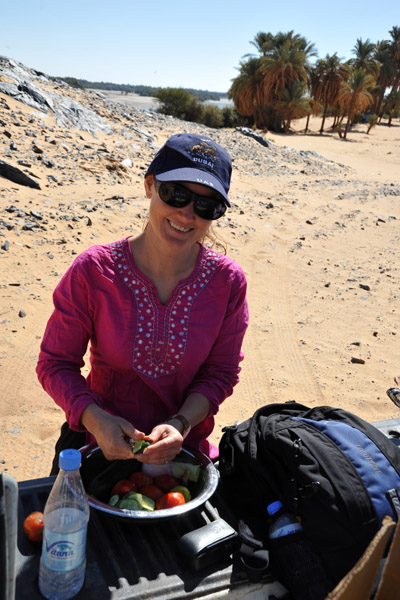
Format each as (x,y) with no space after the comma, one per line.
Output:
(177,227)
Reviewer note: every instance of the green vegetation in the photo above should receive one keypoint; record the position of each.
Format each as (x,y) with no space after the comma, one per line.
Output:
(280,84)
(180,103)
(73,82)
(141,90)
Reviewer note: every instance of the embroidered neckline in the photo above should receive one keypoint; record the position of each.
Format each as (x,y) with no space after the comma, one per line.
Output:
(161,331)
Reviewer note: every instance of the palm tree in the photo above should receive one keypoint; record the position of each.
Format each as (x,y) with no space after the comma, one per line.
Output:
(246,90)
(314,109)
(371,122)
(365,57)
(326,79)
(262,41)
(392,105)
(354,95)
(386,74)
(293,103)
(283,64)
(395,53)
(281,67)
(394,49)
(262,80)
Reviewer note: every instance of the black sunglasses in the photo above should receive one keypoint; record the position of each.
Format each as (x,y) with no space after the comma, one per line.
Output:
(176,195)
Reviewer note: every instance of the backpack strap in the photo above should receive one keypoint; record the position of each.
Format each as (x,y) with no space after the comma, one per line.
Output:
(253,556)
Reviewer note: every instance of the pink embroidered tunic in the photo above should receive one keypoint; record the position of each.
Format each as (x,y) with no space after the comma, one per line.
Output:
(145,357)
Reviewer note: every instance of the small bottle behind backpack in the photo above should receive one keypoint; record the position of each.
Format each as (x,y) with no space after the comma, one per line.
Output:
(283,523)
(293,559)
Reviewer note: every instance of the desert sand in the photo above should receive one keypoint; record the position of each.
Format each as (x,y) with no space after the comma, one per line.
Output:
(315,224)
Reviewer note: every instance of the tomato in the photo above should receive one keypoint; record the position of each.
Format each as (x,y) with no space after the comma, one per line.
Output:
(166,482)
(184,491)
(122,487)
(141,479)
(152,491)
(170,500)
(33,526)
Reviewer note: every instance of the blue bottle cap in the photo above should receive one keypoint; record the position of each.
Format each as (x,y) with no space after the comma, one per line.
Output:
(69,460)
(274,507)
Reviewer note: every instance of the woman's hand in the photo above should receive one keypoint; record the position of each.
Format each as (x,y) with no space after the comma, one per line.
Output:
(166,444)
(111,432)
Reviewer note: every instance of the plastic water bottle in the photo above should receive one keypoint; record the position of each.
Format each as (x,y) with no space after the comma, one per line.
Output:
(294,560)
(66,515)
(284,523)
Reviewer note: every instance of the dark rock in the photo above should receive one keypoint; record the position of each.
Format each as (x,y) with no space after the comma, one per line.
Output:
(22,314)
(364,287)
(253,134)
(357,361)
(30,226)
(17,176)
(49,163)
(36,149)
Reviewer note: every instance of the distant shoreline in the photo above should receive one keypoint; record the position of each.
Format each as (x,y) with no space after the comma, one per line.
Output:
(148,102)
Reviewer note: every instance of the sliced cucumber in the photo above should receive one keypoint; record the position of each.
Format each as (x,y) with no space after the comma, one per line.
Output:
(139,446)
(185,471)
(129,504)
(143,502)
(147,503)
(113,501)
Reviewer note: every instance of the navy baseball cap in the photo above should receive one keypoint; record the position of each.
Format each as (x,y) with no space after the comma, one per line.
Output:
(195,159)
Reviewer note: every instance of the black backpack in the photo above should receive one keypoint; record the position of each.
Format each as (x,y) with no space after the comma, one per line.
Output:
(336,472)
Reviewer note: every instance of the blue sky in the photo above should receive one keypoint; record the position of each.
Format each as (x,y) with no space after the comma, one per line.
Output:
(194,44)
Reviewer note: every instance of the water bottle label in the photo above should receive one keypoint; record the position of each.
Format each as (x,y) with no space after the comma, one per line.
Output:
(64,551)
(286,530)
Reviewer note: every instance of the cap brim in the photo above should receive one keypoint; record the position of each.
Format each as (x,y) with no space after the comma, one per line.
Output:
(194,176)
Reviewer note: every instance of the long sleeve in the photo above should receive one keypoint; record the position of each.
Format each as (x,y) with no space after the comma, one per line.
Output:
(219,373)
(64,345)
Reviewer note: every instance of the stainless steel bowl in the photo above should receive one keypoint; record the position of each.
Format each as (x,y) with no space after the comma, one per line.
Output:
(99,475)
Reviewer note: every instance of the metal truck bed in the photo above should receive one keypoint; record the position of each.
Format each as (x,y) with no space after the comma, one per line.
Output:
(127,561)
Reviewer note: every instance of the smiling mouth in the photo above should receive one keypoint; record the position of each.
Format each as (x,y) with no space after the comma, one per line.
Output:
(178,227)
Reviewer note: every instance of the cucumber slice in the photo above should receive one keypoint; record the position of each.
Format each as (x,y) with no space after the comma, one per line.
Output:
(129,504)
(113,501)
(143,502)
(185,471)
(147,503)
(139,446)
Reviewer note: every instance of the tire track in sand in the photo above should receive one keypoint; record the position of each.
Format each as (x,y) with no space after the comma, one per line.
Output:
(295,371)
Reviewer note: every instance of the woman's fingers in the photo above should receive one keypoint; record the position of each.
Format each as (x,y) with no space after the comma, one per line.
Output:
(166,444)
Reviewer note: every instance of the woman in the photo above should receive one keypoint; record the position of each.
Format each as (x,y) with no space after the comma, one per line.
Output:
(164,315)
